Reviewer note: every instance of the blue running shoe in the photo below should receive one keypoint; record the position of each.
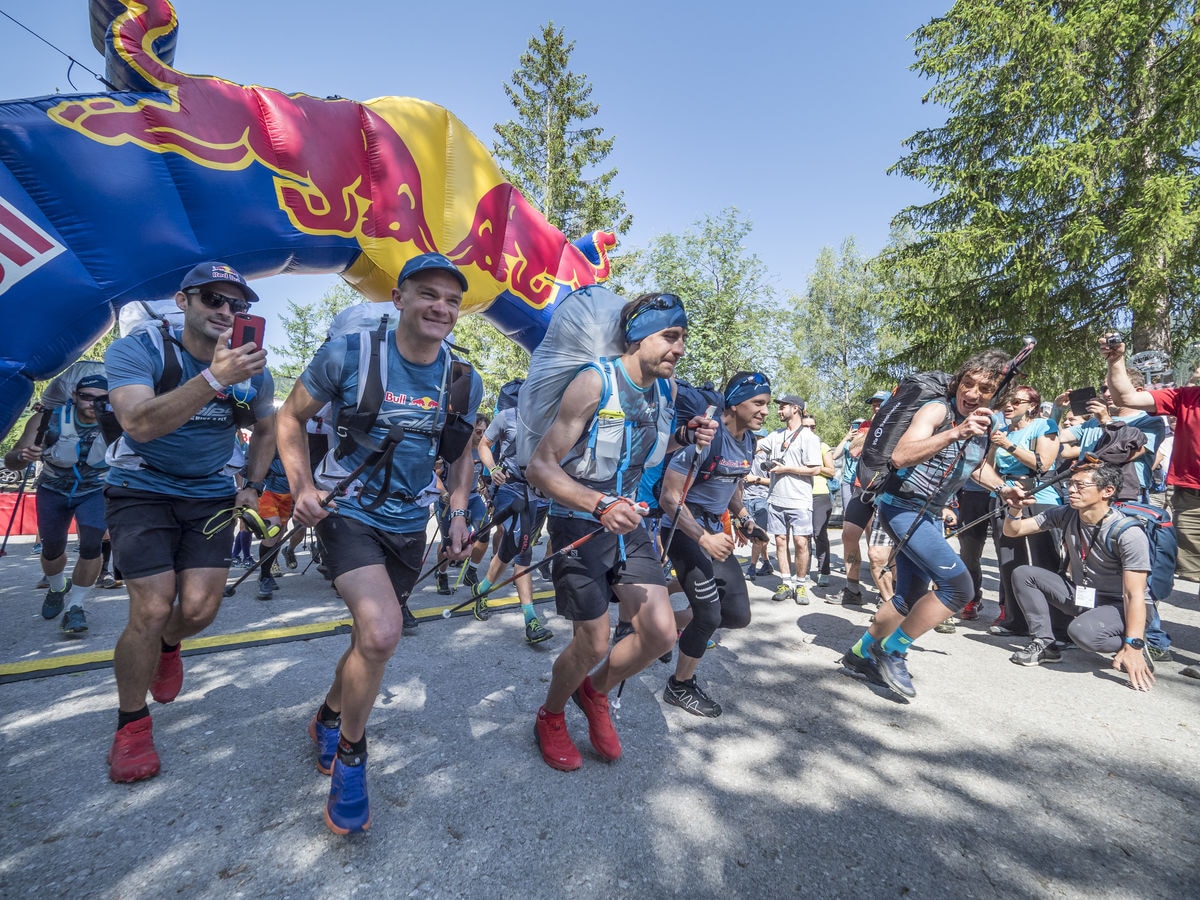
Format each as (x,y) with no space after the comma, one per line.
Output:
(326,740)
(894,669)
(347,809)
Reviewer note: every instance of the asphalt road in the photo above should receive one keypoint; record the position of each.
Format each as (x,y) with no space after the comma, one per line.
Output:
(996,781)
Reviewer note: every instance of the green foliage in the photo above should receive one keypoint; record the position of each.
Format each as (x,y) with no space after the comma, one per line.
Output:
(841,337)
(1065,177)
(306,325)
(497,360)
(550,151)
(725,289)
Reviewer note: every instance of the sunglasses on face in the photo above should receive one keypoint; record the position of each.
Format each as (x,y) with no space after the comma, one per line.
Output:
(93,398)
(215,300)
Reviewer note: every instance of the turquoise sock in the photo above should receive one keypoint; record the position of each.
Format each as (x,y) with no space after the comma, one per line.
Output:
(527,610)
(864,645)
(897,642)
(483,586)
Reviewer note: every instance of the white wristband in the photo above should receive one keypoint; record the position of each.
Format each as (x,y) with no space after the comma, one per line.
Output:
(212,380)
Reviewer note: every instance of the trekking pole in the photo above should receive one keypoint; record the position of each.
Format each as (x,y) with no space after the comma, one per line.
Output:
(16,509)
(338,489)
(471,538)
(574,545)
(1011,370)
(38,439)
(687,486)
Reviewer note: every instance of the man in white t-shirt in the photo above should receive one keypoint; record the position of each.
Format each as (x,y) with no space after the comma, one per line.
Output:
(792,456)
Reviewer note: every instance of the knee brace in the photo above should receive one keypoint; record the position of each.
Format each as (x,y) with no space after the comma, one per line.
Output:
(956,592)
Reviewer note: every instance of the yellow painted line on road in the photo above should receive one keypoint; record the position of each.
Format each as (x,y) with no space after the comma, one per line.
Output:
(45,667)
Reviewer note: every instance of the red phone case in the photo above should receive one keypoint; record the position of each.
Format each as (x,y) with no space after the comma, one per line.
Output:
(248,329)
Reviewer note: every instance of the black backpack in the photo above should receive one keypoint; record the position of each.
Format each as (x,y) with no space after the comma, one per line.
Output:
(893,419)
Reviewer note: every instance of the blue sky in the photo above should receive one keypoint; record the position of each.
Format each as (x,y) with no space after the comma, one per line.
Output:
(791,113)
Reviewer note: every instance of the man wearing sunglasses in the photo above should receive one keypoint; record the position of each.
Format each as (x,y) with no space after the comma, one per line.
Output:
(169,475)
(70,486)
(592,485)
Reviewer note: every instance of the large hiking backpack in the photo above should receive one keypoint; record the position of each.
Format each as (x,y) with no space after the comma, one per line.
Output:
(893,419)
(584,327)
(1164,547)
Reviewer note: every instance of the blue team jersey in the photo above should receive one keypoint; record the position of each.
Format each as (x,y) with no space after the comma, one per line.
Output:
(414,398)
(197,459)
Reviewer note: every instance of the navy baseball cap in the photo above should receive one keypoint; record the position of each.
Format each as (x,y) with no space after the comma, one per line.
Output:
(213,272)
(428,261)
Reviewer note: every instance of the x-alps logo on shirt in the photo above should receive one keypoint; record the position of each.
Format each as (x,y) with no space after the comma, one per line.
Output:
(405,400)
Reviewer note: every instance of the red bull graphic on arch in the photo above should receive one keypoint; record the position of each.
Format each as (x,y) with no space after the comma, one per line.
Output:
(108,198)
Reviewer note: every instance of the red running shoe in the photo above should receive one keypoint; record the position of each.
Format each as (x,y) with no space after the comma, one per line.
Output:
(168,677)
(971,610)
(601,732)
(132,756)
(558,750)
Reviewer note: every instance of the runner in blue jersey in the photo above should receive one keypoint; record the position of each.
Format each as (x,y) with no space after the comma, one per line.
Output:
(170,477)
(700,550)
(944,445)
(70,486)
(597,490)
(373,537)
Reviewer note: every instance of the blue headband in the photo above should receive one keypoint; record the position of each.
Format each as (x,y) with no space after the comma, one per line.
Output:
(663,312)
(745,388)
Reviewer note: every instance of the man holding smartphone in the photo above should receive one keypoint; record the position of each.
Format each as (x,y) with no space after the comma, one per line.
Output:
(180,395)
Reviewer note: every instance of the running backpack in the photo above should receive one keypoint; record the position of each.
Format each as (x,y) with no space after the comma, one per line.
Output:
(1164,548)
(893,419)
(507,398)
(354,423)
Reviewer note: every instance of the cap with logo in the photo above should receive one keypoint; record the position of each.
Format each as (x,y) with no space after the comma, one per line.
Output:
(213,272)
(427,262)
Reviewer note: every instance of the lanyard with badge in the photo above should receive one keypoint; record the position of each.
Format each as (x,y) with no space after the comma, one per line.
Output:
(1085,594)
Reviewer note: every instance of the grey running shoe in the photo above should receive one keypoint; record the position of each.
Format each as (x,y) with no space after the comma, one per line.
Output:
(894,669)
(535,632)
(783,592)
(1037,652)
(800,595)
(688,695)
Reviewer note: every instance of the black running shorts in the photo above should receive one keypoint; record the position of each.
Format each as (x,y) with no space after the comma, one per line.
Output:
(156,533)
(349,544)
(584,578)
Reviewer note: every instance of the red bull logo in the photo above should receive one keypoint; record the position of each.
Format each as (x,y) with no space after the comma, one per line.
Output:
(24,248)
(345,169)
(425,403)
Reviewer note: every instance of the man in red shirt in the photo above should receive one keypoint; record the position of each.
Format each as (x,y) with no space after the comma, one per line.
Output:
(1184,472)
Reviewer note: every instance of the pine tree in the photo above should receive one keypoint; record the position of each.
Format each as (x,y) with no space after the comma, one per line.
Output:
(550,151)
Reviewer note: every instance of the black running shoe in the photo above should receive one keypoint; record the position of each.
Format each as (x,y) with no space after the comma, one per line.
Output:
(410,621)
(535,632)
(471,577)
(480,609)
(443,584)
(688,695)
(289,558)
(865,668)
(622,630)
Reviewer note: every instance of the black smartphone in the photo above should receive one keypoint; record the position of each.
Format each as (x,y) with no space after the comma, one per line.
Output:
(1080,398)
(248,329)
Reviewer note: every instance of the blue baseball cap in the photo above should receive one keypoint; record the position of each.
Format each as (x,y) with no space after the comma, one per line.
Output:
(214,272)
(881,396)
(427,261)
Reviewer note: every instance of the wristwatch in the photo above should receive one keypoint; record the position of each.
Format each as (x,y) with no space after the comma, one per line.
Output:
(1135,643)
(257,486)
